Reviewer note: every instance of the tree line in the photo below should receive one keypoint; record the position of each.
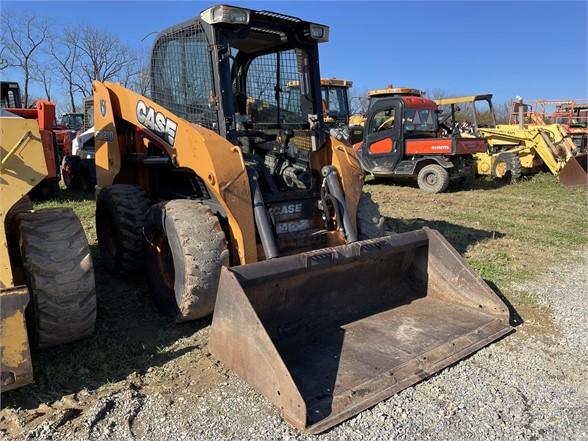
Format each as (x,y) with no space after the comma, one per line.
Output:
(63,62)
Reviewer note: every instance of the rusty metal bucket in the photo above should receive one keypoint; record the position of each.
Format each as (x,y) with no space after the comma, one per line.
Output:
(575,171)
(329,333)
(16,368)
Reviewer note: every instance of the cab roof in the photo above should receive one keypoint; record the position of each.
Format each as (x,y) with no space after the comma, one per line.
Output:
(463,99)
(391,90)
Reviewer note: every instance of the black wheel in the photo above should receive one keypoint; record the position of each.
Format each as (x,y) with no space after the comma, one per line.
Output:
(87,175)
(60,276)
(433,178)
(185,248)
(120,215)
(370,223)
(70,172)
(507,167)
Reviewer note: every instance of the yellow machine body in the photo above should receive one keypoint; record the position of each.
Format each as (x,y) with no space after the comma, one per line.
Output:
(23,166)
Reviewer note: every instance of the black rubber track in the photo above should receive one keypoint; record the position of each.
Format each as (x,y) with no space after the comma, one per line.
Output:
(60,276)
(120,215)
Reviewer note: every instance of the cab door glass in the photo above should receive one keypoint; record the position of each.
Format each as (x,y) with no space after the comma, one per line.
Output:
(382,120)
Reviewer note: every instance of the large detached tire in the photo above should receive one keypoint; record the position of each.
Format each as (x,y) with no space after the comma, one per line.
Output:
(433,178)
(185,248)
(60,276)
(370,223)
(120,215)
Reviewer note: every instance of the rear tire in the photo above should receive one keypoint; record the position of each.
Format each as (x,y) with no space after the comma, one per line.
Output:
(70,172)
(60,276)
(120,215)
(433,178)
(370,223)
(185,248)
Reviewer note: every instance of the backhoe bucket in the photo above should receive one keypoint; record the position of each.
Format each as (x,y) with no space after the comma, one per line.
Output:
(16,368)
(329,333)
(575,171)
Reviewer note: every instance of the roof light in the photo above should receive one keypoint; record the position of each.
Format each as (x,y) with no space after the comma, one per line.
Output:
(225,14)
(319,33)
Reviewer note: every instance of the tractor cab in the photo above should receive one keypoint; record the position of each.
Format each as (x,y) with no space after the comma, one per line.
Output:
(10,95)
(71,121)
(335,101)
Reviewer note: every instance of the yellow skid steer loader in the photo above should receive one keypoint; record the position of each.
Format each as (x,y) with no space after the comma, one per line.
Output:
(226,190)
(46,273)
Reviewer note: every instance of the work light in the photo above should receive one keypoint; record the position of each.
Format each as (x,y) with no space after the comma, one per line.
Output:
(225,14)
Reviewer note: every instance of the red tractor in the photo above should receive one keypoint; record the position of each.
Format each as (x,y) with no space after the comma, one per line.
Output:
(402,139)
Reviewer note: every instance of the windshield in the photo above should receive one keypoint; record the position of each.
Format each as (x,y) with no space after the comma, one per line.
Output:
(272,101)
(73,121)
(335,101)
(420,120)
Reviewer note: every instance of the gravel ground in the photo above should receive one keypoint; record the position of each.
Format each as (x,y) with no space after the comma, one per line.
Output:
(530,385)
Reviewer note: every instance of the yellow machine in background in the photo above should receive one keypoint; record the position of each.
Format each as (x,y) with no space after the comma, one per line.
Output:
(335,95)
(37,249)
(516,149)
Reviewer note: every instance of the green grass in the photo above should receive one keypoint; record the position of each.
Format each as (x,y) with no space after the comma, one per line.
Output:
(507,233)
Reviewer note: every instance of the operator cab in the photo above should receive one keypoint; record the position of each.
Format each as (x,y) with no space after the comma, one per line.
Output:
(232,69)
(10,95)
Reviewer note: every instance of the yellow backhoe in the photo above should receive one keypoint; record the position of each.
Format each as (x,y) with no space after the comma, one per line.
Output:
(45,261)
(516,149)
(227,192)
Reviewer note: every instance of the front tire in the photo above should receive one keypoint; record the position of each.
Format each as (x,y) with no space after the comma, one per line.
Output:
(370,223)
(433,178)
(507,167)
(60,276)
(184,248)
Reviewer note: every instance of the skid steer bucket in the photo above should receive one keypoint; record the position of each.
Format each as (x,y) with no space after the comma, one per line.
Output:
(575,171)
(329,333)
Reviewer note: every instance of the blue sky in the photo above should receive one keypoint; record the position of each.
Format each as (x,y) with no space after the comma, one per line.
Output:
(531,49)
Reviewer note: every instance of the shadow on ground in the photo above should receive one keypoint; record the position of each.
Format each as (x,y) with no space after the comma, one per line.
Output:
(460,236)
(130,336)
(479,184)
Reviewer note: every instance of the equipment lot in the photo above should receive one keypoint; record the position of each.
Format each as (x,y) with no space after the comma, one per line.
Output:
(143,376)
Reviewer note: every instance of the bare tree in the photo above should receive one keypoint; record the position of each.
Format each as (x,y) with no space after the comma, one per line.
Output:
(22,40)
(100,56)
(45,77)
(358,101)
(65,57)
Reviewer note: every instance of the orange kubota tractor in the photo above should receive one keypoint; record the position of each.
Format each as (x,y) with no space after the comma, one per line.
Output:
(401,139)
(228,193)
